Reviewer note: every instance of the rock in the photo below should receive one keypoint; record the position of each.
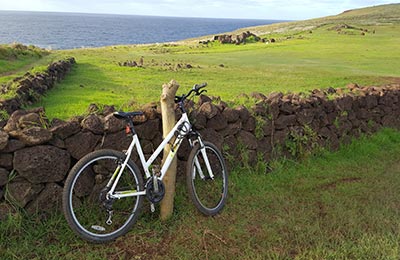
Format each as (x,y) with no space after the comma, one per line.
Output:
(287,108)
(231,129)
(42,163)
(22,192)
(230,146)
(267,127)
(12,123)
(117,141)
(250,158)
(32,136)
(250,124)
(199,120)
(49,200)
(372,101)
(93,108)
(274,97)
(284,121)
(260,109)
(305,116)
(13,145)
(345,103)
(217,123)
(280,137)
(203,99)
(6,210)
(113,124)
(3,176)
(247,139)
(149,129)
(274,109)
(257,95)
(390,121)
(3,139)
(209,110)
(212,136)
(322,118)
(264,145)
(329,106)
(30,120)
(93,123)
(57,142)
(147,146)
(231,115)
(150,110)
(6,161)
(81,144)
(184,150)
(10,105)
(66,129)
(244,113)
(108,110)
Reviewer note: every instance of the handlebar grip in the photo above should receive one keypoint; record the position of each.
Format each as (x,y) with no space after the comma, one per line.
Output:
(197,87)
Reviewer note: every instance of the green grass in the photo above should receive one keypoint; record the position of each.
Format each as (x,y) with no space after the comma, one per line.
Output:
(319,60)
(341,205)
(16,59)
(303,62)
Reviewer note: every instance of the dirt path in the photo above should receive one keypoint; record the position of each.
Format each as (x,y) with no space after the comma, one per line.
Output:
(18,70)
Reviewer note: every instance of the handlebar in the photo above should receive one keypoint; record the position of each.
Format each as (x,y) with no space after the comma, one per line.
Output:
(196,89)
(200,86)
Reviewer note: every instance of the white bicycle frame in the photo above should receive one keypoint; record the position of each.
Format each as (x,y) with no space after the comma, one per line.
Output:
(146,164)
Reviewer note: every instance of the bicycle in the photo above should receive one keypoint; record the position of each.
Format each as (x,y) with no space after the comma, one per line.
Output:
(104,191)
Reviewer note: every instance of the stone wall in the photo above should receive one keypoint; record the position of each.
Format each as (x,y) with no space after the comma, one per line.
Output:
(36,155)
(30,87)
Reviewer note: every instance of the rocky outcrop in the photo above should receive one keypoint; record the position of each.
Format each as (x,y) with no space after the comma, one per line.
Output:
(236,39)
(36,155)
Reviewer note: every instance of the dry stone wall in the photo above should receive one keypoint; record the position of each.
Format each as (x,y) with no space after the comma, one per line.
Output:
(36,155)
(31,86)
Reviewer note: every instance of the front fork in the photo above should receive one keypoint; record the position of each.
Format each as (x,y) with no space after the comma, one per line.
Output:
(205,158)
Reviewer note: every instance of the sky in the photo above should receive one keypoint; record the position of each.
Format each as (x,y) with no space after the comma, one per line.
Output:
(250,9)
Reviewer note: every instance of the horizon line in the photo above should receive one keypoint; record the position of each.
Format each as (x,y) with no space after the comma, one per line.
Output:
(146,15)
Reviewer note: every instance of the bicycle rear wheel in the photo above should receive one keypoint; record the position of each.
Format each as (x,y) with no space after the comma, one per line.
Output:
(208,192)
(89,212)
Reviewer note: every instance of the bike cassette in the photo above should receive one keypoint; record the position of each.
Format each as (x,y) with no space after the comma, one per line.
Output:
(152,195)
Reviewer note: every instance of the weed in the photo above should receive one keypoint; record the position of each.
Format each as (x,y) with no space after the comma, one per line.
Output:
(259,132)
(4,116)
(301,142)
(7,195)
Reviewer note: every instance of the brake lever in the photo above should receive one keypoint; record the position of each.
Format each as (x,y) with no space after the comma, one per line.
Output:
(204,90)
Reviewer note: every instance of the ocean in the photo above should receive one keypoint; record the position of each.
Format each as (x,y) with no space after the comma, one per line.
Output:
(76,30)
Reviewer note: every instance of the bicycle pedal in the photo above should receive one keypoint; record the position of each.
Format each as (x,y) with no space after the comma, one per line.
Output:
(152,208)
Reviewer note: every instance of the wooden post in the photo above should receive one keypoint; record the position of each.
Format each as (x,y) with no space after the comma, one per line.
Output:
(168,122)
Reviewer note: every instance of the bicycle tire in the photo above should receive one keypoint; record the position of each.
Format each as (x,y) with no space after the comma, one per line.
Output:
(84,200)
(205,192)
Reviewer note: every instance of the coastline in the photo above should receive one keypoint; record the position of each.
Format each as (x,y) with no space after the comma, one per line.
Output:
(63,31)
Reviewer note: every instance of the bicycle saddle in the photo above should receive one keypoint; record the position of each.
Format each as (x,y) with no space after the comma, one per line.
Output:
(127,115)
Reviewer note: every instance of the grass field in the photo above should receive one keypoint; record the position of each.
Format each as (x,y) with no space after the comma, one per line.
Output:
(315,61)
(16,59)
(342,205)
(298,61)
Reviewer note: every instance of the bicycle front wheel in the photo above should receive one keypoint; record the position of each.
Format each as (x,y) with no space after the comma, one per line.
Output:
(89,211)
(207,179)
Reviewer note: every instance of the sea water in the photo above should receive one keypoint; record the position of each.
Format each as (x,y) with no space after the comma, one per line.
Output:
(76,30)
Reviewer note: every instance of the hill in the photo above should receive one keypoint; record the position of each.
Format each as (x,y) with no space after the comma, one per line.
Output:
(370,16)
